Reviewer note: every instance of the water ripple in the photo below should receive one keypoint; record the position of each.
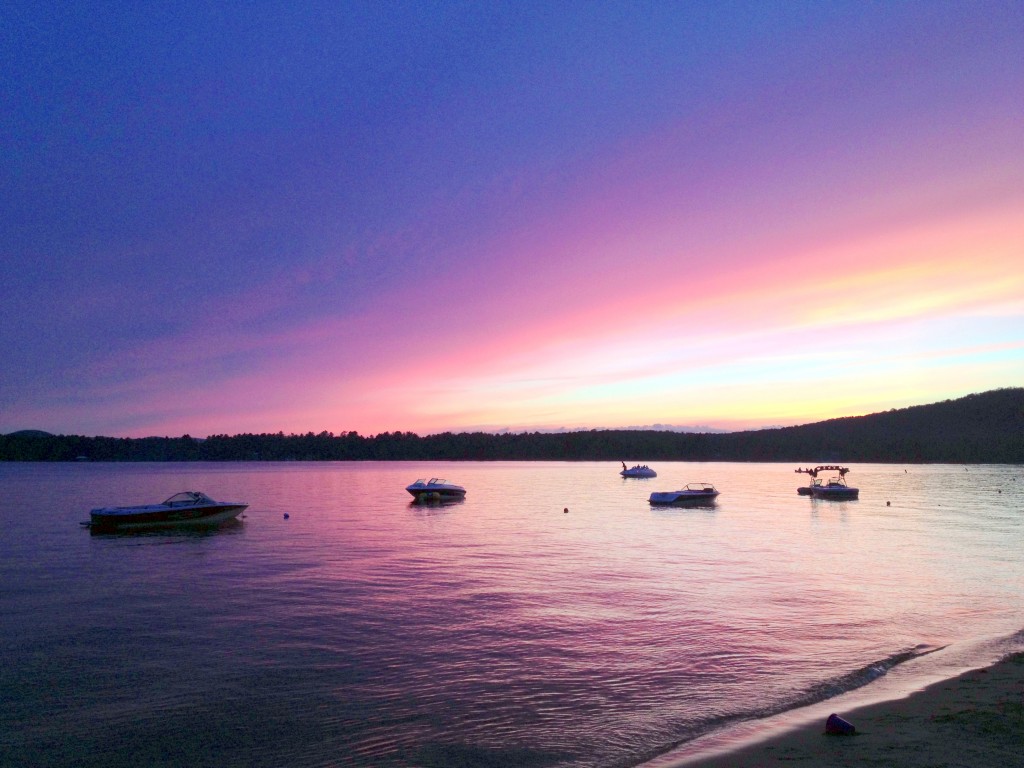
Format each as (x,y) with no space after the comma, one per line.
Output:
(363,630)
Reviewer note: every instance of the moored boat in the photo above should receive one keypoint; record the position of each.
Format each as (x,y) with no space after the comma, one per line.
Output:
(638,470)
(188,508)
(834,488)
(692,493)
(435,489)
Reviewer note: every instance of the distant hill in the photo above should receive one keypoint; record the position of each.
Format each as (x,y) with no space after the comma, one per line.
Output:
(980,428)
(986,428)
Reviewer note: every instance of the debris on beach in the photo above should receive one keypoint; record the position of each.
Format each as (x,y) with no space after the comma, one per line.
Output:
(836,726)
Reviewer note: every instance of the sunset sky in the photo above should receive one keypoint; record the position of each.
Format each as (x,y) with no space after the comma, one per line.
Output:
(379,216)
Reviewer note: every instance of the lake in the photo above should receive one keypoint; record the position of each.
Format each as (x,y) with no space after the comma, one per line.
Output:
(337,624)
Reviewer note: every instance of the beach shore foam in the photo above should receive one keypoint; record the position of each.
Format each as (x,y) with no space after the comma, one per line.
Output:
(974,720)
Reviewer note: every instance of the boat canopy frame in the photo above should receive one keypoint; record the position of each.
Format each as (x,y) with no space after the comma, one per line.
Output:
(824,468)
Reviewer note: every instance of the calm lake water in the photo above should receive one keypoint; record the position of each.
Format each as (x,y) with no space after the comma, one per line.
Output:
(500,631)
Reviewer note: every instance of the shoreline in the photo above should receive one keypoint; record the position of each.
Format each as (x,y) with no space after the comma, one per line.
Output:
(975,720)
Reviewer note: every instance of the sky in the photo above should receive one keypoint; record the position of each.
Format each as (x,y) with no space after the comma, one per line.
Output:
(220,218)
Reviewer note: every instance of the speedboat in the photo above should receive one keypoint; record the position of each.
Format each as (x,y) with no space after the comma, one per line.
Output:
(693,492)
(639,470)
(834,488)
(435,489)
(188,508)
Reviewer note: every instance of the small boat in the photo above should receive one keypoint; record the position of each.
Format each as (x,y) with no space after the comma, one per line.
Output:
(639,470)
(834,488)
(693,492)
(435,489)
(188,508)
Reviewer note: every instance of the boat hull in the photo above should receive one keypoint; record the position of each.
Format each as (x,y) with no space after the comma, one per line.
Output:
(159,516)
(679,498)
(436,494)
(835,494)
(435,489)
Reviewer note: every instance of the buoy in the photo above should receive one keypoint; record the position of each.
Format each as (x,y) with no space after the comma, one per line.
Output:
(285,515)
(887,503)
(836,726)
(565,511)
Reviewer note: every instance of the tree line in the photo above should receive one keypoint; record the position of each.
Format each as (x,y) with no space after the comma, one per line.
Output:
(981,428)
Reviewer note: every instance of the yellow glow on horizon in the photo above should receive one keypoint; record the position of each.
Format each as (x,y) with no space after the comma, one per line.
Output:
(791,336)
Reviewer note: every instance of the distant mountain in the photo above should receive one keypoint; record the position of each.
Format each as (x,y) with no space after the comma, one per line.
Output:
(986,428)
(633,428)
(702,428)
(982,428)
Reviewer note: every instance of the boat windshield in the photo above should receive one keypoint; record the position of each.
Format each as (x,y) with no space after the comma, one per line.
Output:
(187,497)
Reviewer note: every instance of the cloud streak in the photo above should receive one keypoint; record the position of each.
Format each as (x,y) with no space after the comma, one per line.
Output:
(491,217)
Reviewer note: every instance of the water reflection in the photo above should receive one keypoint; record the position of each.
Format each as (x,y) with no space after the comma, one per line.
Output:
(425,501)
(553,616)
(684,504)
(198,531)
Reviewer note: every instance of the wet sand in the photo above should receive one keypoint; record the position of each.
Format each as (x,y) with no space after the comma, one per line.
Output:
(975,720)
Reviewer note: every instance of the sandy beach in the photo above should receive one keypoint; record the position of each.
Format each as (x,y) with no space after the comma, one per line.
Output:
(973,721)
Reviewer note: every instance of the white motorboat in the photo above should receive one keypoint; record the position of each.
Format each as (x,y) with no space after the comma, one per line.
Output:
(188,508)
(693,492)
(834,488)
(638,470)
(435,489)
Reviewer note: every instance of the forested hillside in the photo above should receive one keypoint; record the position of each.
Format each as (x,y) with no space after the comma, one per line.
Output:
(980,428)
